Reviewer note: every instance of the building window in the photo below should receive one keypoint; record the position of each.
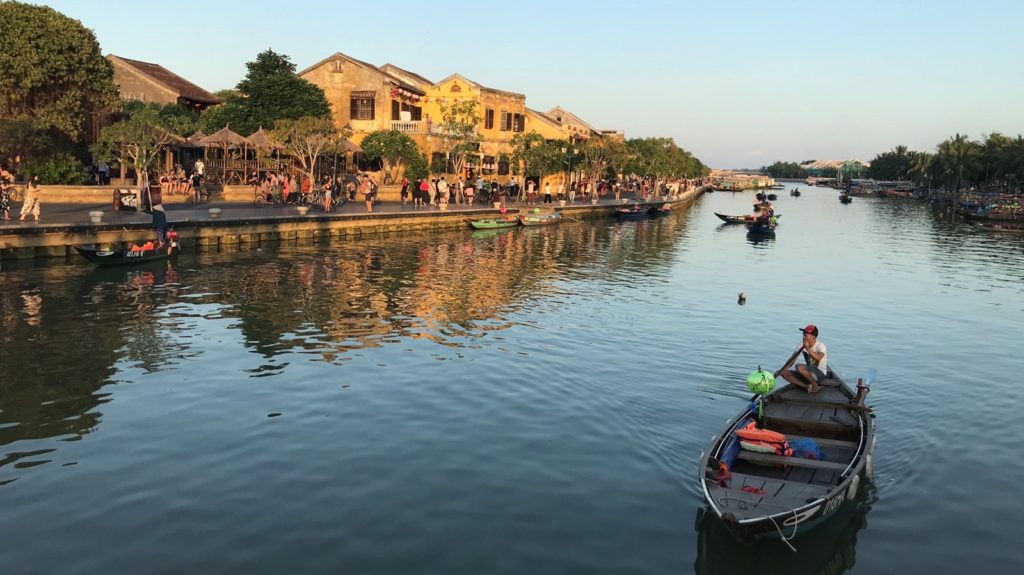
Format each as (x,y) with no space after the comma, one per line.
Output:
(503,165)
(489,119)
(488,165)
(518,122)
(506,121)
(362,105)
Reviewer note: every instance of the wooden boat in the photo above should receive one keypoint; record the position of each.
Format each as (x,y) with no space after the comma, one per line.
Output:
(662,210)
(845,198)
(536,219)
(746,219)
(761,495)
(773,197)
(778,186)
(755,228)
(795,193)
(636,212)
(494,223)
(127,257)
(734,219)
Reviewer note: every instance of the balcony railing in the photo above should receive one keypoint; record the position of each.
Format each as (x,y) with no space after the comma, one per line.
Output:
(418,127)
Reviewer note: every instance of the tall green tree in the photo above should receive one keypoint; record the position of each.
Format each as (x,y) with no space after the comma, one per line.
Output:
(269,92)
(459,133)
(395,149)
(53,77)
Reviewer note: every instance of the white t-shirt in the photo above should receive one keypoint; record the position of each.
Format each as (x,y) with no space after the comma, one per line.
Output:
(818,347)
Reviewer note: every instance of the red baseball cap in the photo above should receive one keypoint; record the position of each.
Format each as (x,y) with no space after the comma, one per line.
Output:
(811,329)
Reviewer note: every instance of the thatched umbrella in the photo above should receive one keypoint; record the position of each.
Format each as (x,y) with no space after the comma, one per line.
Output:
(224,138)
(260,140)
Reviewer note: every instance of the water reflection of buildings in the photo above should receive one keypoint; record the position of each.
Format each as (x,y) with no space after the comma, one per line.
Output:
(59,344)
(350,296)
(78,328)
(828,549)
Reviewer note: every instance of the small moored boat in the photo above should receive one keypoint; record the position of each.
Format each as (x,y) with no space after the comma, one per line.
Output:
(127,257)
(845,198)
(494,223)
(635,212)
(740,219)
(537,219)
(826,440)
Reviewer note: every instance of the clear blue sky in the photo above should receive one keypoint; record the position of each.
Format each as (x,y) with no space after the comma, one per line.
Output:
(740,84)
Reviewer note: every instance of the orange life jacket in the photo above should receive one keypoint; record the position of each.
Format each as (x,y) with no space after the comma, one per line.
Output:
(763,440)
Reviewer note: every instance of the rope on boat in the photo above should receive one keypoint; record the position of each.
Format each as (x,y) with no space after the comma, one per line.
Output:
(786,540)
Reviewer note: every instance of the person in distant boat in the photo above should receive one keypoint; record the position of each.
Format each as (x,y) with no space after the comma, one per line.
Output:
(814,370)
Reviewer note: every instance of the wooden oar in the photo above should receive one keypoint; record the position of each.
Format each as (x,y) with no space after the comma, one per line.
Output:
(791,359)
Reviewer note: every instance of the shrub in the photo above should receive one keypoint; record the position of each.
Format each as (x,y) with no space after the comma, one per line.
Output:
(60,168)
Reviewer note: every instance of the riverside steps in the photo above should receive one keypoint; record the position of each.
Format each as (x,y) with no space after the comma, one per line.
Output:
(65,225)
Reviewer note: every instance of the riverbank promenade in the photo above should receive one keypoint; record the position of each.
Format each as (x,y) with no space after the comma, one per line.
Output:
(64,225)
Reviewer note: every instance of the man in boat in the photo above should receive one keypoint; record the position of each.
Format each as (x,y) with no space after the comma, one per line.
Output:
(814,370)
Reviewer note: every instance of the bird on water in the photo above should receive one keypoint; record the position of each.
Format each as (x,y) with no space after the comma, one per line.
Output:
(742,299)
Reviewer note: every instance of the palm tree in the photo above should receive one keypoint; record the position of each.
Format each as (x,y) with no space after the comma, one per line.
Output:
(959,155)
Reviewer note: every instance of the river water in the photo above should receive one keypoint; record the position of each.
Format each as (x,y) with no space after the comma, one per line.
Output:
(529,401)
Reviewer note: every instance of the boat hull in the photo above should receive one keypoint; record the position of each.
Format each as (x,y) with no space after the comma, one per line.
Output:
(493,223)
(539,219)
(125,257)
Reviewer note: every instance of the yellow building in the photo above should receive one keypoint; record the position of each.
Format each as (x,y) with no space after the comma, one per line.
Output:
(365,99)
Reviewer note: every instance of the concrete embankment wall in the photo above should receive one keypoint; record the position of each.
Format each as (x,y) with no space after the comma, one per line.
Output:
(59,240)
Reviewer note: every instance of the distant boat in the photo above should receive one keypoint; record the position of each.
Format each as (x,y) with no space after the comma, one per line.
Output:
(127,257)
(845,198)
(494,223)
(761,229)
(740,219)
(795,193)
(778,186)
(635,212)
(773,197)
(536,219)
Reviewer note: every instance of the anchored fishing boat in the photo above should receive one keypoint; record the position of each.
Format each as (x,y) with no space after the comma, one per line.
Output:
(494,223)
(790,459)
(135,255)
(538,219)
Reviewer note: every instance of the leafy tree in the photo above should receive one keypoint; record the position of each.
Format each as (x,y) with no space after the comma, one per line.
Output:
(599,154)
(417,168)
(138,140)
(393,148)
(52,74)
(307,139)
(459,134)
(536,155)
(785,170)
(269,92)
(20,138)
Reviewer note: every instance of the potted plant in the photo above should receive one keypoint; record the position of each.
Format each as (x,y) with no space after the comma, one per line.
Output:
(214,213)
(96,216)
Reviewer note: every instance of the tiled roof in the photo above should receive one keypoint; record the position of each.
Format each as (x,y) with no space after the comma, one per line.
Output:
(170,80)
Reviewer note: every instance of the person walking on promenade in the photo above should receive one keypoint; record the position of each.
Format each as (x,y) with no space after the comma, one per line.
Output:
(31,205)
(327,188)
(460,189)
(6,193)
(469,192)
(442,191)
(404,194)
(367,190)
(423,198)
(547,192)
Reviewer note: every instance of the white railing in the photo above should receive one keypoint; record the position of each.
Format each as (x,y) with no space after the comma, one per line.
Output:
(407,127)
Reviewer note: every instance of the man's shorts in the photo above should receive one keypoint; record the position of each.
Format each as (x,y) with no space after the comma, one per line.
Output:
(818,375)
